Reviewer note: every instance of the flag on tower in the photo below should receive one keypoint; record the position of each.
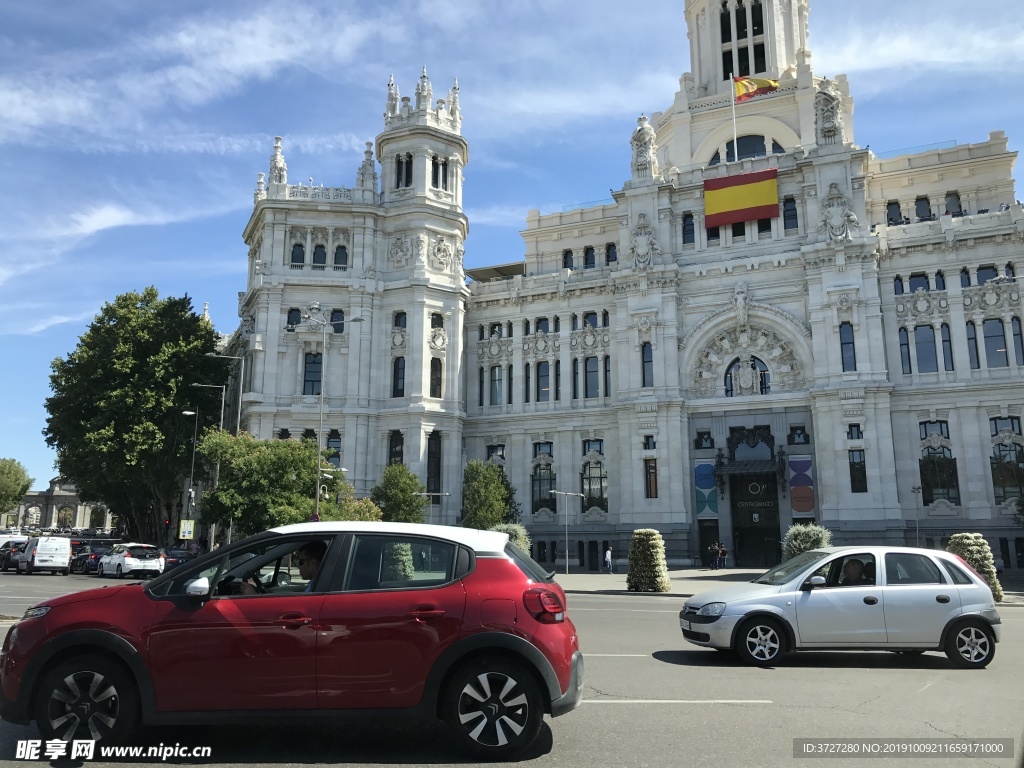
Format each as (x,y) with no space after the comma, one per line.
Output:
(746,88)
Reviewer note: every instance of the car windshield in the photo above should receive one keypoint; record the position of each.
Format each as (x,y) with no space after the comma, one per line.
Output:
(142,552)
(780,574)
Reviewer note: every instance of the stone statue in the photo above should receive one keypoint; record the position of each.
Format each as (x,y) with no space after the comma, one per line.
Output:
(645,150)
(837,219)
(829,115)
(740,299)
(643,247)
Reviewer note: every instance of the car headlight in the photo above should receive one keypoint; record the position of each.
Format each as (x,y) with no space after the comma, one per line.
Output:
(711,609)
(35,613)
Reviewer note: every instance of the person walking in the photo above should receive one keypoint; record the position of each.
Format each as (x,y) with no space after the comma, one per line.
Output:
(723,555)
(608,559)
(713,556)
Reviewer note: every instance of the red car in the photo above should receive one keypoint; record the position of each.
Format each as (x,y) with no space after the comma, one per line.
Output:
(308,621)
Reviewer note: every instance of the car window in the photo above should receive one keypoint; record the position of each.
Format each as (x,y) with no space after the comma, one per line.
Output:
(786,571)
(851,569)
(905,568)
(956,573)
(399,562)
(143,553)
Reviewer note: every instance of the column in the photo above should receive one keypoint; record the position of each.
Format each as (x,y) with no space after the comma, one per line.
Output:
(979,335)
(750,38)
(309,245)
(735,48)
(908,325)
(330,245)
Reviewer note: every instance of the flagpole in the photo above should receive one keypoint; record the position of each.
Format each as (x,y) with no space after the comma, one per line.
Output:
(735,136)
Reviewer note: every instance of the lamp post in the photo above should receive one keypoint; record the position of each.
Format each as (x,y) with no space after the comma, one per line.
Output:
(241,379)
(192,472)
(430,514)
(916,490)
(556,494)
(222,389)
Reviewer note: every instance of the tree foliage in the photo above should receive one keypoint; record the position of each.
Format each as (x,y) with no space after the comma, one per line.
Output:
(399,495)
(14,483)
(805,537)
(484,501)
(974,549)
(648,570)
(513,509)
(115,415)
(1018,516)
(262,484)
(517,534)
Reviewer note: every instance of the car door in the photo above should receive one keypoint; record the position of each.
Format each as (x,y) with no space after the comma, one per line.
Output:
(398,605)
(838,615)
(238,651)
(919,599)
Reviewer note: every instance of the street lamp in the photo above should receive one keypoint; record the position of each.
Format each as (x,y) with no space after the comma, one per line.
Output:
(556,494)
(916,490)
(222,389)
(430,514)
(241,379)
(192,472)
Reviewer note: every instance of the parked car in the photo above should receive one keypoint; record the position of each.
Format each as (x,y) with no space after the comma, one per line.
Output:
(87,558)
(44,553)
(852,598)
(130,559)
(475,633)
(175,556)
(8,550)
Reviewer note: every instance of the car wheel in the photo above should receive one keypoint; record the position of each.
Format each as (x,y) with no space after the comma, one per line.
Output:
(120,573)
(971,646)
(28,569)
(99,571)
(87,698)
(761,642)
(494,707)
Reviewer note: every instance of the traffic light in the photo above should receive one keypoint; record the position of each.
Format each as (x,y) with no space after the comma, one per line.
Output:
(167,522)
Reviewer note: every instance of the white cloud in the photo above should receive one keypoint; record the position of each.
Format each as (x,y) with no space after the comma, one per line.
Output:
(499,216)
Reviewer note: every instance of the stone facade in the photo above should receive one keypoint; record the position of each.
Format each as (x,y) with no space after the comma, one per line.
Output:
(57,506)
(714,384)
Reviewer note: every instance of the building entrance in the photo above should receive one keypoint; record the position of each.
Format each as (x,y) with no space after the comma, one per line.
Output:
(755,520)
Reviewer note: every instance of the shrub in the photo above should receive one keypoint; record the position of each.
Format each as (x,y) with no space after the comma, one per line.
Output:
(397,563)
(648,571)
(805,537)
(973,548)
(516,534)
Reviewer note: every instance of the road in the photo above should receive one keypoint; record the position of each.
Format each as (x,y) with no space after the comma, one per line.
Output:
(652,700)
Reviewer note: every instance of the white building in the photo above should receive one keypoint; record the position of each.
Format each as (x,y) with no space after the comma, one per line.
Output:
(853,356)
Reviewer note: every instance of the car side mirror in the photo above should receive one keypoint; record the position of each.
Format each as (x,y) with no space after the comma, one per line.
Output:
(199,589)
(811,583)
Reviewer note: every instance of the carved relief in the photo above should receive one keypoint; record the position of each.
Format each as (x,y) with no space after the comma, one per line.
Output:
(740,302)
(541,346)
(645,150)
(828,111)
(588,340)
(459,253)
(837,218)
(398,338)
(993,299)
(1007,437)
(922,305)
(761,341)
(399,252)
(643,247)
(496,349)
(442,253)
(751,305)
(934,441)
(438,338)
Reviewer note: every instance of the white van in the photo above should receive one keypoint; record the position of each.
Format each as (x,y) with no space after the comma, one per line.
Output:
(46,553)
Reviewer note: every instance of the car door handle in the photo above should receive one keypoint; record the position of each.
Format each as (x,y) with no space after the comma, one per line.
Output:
(942,598)
(292,621)
(426,612)
(871,600)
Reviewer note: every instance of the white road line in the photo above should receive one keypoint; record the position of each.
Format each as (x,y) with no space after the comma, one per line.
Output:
(676,701)
(620,610)
(618,655)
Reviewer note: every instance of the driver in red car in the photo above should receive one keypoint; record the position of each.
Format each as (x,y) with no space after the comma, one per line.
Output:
(309,556)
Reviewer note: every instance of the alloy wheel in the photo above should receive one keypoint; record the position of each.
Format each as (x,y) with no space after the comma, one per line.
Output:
(83,702)
(763,642)
(493,709)
(972,644)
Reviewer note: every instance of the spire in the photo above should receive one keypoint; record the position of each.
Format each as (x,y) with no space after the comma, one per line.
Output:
(453,100)
(366,178)
(261,190)
(394,99)
(424,93)
(278,167)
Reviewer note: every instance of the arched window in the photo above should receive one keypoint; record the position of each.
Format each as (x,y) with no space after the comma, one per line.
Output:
(435,172)
(567,259)
(897,285)
(543,382)
(320,254)
(605,319)
(334,446)
(436,320)
(747,377)
(338,320)
(940,281)
(341,257)
(435,377)
(298,253)
(750,146)
(789,215)
(611,253)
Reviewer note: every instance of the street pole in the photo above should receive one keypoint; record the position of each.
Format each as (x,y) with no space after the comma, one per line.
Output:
(222,389)
(192,472)
(916,490)
(556,494)
(241,381)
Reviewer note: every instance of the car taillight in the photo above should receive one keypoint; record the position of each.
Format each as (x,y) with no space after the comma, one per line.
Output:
(969,567)
(544,605)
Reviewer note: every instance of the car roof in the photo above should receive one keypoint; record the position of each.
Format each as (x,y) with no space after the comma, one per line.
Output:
(879,548)
(137,544)
(479,541)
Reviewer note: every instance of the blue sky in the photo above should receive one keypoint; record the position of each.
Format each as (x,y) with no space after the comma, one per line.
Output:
(131,133)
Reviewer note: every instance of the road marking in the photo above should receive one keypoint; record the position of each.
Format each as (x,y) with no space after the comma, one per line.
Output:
(621,610)
(618,655)
(677,701)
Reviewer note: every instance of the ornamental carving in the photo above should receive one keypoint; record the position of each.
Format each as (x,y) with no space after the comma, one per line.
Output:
(541,345)
(993,299)
(837,218)
(459,254)
(1007,437)
(829,114)
(398,338)
(400,252)
(590,340)
(745,343)
(922,305)
(438,339)
(645,150)
(643,248)
(592,457)
(934,441)
(442,253)
(496,349)
(739,301)
(751,307)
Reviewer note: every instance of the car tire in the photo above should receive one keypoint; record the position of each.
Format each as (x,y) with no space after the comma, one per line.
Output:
(761,642)
(99,570)
(103,686)
(494,707)
(970,645)
(28,569)
(120,573)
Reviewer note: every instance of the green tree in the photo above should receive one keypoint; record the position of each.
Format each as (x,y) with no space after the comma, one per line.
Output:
(400,495)
(267,483)
(805,537)
(517,534)
(1018,516)
(14,483)
(513,509)
(484,501)
(115,415)
(648,571)
(974,549)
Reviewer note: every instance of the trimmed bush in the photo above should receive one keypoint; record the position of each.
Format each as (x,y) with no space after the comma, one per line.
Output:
(397,562)
(648,571)
(516,534)
(973,548)
(803,538)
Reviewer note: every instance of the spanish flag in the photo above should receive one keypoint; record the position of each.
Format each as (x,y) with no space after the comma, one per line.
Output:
(747,88)
(745,197)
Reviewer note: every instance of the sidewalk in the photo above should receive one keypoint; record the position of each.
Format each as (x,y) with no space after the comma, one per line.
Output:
(691,581)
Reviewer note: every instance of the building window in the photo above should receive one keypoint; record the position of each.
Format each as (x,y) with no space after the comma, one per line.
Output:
(947,348)
(918,281)
(311,374)
(575,378)
(319,254)
(589,258)
(646,364)
(436,320)
(567,259)
(987,273)
(400,320)
(607,376)
(590,318)
(557,325)
(739,231)
(526,327)
(594,486)
(298,253)
(436,370)
(995,344)
(1018,341)
(595,446)
(338,320)
(558,379)
(284,434)
(341,256)
(510,329)
(972,346)
(396,447)
(308,434)
(897,285)
(893,214)
(496,451)
(434,466)
(764,226)
(592,381)
(1008,270)
(927,357)
(747,377)
(495,385)
(847,347)
(650,478)
(611,253)
(494,331)
(398,377)
(923,209)
(798,435)
(853,432)
(543,382)
(858,473)
(1007,460)
(940,281)
(480,392)
(542,325)
(526,382)
(508,386)
(789,216)
(606,319)
(293,319)
(649,443)
(334,448)
(714,233)
(905,351)
(938,467)
(543,449)
(726,29)
(703,441)
(403,170)
(965,278)
(688,231)
(953,203)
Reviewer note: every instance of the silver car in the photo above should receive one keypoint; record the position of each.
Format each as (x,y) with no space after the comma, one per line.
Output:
(851,598)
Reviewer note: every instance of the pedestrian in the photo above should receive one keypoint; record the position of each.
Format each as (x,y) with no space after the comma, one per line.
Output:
(723,553)
(608,559)
(713,556)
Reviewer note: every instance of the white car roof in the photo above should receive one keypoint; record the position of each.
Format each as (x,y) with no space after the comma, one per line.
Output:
(880,549)
(136,544)
(478,541)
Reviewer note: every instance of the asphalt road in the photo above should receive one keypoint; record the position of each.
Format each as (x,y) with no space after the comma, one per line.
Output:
(652,700)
